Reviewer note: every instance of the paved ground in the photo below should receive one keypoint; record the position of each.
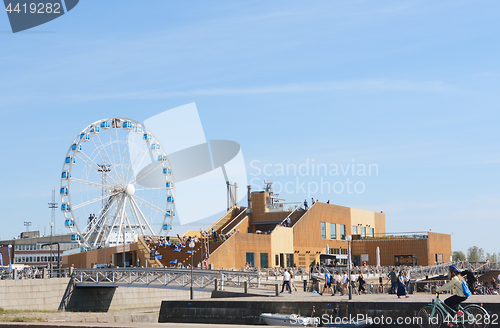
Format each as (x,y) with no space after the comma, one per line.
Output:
(312,297)
(149,318)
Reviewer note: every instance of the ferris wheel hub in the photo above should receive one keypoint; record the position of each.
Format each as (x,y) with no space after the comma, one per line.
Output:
(130,189)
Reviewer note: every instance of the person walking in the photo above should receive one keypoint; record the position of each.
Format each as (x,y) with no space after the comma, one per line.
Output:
(406,277)
(401,285)
(361,284)
(338,283)
(286,282)
(328,283)
(305,205)
(392,276)
(353,283)
(345,282)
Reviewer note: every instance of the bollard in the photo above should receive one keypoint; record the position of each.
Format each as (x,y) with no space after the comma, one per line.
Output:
(245,286)
(14,274)
(215,284)
(305,285)
(44,273)
(277,289)
(318,286)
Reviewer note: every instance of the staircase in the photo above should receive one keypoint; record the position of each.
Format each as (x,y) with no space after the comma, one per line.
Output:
(223,225)
(226,218)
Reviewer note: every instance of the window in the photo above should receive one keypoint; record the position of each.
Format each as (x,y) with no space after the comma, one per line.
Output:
(354,230)
(277,260)
(323,230)
(263,260)
(363,232)
(333,231)
(342,232)
(251,259)
(371,232)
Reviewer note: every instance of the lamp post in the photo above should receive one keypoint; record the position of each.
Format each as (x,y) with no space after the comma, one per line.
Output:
(51,224)
(349,238)
(191,244)
(10,261)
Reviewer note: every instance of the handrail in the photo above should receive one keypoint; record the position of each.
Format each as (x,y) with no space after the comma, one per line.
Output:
(209,229)
(223,231)
(294,210)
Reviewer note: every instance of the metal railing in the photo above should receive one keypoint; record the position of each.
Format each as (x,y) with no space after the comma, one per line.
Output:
(151,277)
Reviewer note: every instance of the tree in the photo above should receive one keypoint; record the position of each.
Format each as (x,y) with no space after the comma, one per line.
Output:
(458,256)
(492,257)
(475,254)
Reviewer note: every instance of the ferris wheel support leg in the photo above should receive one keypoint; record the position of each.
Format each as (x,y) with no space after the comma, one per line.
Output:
(102,220)
(150,228)
(115,219)
(137,217)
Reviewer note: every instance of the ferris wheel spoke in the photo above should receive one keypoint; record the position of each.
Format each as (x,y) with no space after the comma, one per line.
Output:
(150,170)
(99,151)
(150,228)
(119,155)
(94,200)
(90,163)
(151,206)
(130,147)
(111,146)
(140,162)
(90,183)
(155,188)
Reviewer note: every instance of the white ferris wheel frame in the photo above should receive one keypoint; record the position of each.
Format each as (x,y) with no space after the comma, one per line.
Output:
(121,197)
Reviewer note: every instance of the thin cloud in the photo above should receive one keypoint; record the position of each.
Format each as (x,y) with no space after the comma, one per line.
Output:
(379,85)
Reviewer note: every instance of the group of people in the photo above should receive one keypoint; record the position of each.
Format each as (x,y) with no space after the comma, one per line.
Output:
(340,283)
(222,237)
(313,201)
(399,283)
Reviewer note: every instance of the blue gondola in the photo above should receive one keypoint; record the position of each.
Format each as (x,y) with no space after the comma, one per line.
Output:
(155,146)
(65,175)
(75,237)
(167,171)
(70,223)
(138,130)
(169,185)
(70,160)
(94,130)
(85,137)
(162,158)
(170,199)
(127,125)
(75,147)
(63,191)
(105,125)
(169,214)
(65,207)
(147,137)
(84,249)
(166,227)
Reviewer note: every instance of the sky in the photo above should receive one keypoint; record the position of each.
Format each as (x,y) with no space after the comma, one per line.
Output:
(406,88)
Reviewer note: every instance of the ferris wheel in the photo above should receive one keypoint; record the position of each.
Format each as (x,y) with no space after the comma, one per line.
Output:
(116,184)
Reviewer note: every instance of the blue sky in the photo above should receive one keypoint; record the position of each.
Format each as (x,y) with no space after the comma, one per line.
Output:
(410,87)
